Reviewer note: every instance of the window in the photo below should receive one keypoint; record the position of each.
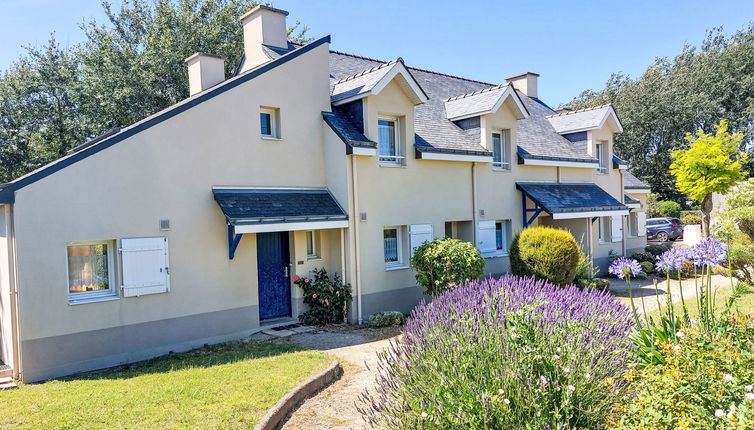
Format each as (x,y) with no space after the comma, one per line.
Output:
(493,237)
(392,245)
(633,224)
(90,271)
(312,244)
(501,150)
(604,229)
(268,123)
(388,131)
(602,157)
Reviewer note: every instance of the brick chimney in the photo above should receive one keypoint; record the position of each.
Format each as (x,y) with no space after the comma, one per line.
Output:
(525,82)
(204,71)
(263,25)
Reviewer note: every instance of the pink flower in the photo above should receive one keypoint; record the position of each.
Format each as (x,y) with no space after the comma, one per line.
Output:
(314,296)
(306,280)
(327,302)
(296,278)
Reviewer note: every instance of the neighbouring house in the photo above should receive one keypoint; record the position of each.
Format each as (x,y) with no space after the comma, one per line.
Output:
(187,227)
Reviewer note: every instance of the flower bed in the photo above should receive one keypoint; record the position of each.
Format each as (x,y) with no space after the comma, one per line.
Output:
(506,353)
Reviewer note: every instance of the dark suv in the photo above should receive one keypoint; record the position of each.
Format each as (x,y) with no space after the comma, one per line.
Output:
(664,229)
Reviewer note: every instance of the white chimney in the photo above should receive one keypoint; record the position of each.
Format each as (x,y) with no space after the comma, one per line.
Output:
(204,71)
(263,25)
(525,82)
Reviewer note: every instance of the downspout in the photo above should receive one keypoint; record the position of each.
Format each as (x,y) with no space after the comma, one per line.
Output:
(624,218)
(357,265)
(343,260)
(473,204)
(14,314)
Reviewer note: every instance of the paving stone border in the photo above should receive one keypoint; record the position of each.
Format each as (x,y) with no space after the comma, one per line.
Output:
(284,406)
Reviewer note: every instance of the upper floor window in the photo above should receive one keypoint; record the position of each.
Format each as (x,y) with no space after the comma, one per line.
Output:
(501,150)
(388,132)
(601,153)
(268,123)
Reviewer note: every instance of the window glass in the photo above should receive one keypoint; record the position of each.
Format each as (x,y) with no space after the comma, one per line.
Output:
(601,159)
(312,244)
(88,268)
(387,132)
(497,150)
(390,243)
(499,235)
(265,120)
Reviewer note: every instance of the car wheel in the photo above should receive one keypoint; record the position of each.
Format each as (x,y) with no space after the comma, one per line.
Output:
(662,236)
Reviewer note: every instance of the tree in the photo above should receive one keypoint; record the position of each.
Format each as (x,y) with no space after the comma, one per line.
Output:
(129,67)
(712,164)
(444,264)
(690,91)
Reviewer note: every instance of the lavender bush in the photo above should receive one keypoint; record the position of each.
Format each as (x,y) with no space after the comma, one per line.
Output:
(507,353)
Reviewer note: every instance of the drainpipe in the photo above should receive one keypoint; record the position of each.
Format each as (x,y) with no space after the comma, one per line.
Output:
(357,263)
(343,259)
(14,314)
(624,219)
(473,203)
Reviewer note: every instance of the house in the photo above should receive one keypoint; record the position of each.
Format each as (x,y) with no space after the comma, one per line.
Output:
(187,227)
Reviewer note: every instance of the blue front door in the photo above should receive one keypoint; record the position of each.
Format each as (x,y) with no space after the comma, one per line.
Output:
(272,267)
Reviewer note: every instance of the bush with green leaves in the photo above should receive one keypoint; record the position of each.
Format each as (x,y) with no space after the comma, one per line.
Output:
(735,224)
(668,208)
(327,298)
(647,267)
(386,319)
(547,253)
(444,264)
(658,248)
(691,219)
(699,382)
(643,256)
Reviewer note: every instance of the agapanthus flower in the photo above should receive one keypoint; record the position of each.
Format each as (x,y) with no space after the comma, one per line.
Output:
(709,252)
(623,267)
(672,259)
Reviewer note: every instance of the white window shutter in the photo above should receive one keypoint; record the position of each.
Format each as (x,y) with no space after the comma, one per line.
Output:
(486,240)
(616,232)
(418,234)
(641,221)
(145,266)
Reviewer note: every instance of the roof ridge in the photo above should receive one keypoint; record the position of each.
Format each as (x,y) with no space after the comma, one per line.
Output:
(578,111)
(367,71)
(348,54)
(483,90)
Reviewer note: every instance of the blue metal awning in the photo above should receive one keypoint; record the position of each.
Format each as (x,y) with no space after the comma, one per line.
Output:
(567,201)
(257,210)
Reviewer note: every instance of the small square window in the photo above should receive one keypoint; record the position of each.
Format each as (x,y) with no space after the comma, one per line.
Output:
(312,245)
(269,123)
(90,270)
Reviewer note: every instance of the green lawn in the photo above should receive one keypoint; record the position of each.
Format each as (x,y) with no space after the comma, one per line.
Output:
(223,386)
(744,304)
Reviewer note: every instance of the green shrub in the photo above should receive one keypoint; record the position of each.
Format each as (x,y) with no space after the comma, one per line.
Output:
(595,283)
(700,384)
(547,253)
(444,264)
(327,299)
(585,270)
(657,249)
(668,208)
(386,318)
(652,205)
(691,219)
(647,267)
(643,256)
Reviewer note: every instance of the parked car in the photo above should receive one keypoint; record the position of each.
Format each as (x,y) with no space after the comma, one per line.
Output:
(664,229)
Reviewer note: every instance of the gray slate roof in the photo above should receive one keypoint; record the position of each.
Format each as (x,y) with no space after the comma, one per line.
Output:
(562,198)
(347,130)
(579,119)
(474,103)
(632,182)
(281,205)
(359,83)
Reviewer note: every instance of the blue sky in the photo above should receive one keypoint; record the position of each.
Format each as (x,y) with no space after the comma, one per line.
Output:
(574,45)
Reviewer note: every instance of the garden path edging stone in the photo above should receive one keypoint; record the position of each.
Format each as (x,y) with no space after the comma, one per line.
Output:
(277,414)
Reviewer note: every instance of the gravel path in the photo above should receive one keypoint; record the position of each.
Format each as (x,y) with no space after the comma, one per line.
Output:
(334,407)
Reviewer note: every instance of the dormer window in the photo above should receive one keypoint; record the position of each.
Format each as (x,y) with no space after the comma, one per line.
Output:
(601,154)
(269,123)
(388,135)
(501,150)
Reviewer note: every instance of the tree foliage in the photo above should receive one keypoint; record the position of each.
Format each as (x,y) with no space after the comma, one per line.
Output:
(712,164)
(129,67)
(444,264)
(689,92)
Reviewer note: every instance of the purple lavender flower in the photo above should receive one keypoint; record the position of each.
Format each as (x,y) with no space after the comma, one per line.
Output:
(709,252)
(672,259)
(623,267)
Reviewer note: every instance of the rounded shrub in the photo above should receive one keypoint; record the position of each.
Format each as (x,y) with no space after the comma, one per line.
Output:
(691,219)
(386,318)
(668,208)
(443,264)
(647,267)
(508,353)
(547,253)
